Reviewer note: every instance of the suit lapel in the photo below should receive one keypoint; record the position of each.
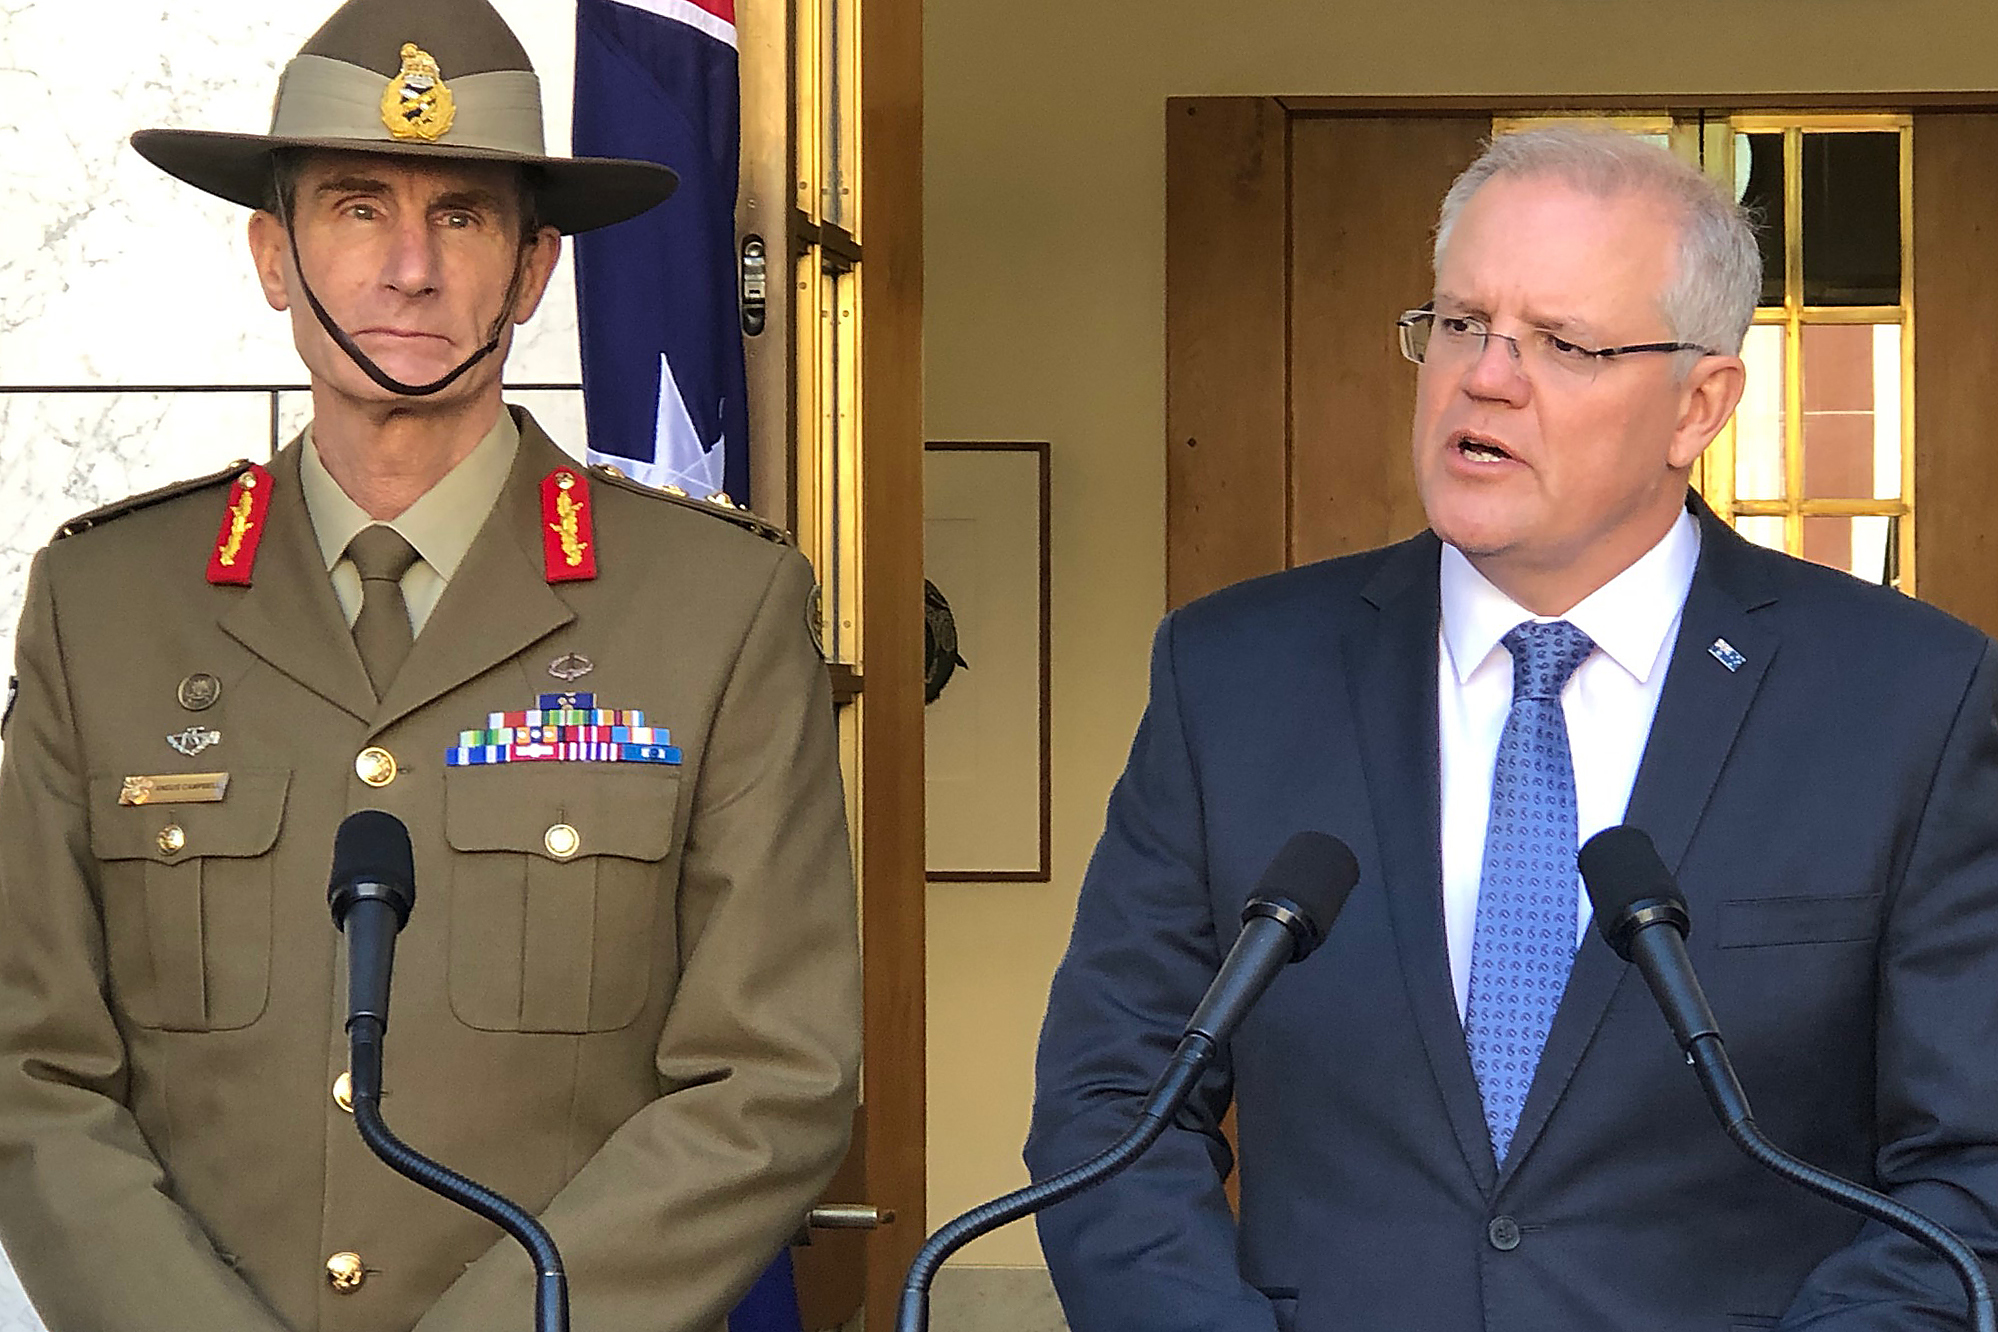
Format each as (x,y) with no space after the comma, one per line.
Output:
(1700,712)
(1392,673)
(499,601)
(289,616)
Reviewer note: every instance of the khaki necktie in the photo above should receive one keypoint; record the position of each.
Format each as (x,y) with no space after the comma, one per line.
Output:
(381,631)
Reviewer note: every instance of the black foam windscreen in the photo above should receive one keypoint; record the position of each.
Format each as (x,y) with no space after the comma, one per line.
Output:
(1621,867)
(372,847)
(1315,872)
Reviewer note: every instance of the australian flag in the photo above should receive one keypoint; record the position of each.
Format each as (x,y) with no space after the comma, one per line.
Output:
(663,381)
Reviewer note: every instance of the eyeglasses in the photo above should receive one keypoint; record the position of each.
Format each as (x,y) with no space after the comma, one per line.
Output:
(1429,337)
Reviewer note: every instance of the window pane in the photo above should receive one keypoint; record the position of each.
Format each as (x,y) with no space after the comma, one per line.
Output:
(1852,219)
(1852,411)
(1860,546)
(833,191)
(1758,184)
(1758,421)
(1762,530)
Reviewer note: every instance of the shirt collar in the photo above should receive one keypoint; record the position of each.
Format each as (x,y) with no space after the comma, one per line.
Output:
(444,519)
(1628,617)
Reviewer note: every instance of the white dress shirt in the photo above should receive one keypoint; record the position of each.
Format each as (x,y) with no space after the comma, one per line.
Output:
(1609,703)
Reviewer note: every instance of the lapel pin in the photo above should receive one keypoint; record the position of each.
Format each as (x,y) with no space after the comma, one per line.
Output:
(193,740)
(198,692)
(571,667)
(1724,653)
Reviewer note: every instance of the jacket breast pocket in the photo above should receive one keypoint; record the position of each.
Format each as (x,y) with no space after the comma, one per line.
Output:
(1765,922)
(187,902)
(556,887)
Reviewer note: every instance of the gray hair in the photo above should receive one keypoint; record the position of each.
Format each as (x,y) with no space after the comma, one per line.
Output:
(1712,296)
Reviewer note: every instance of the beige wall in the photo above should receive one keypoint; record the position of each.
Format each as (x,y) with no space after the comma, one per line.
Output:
(1044,240)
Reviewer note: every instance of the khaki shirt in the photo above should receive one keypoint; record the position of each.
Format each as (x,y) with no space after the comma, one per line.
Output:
(650,1041)
(440,524)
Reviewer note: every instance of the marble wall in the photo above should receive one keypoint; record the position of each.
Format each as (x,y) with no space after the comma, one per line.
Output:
(113,275)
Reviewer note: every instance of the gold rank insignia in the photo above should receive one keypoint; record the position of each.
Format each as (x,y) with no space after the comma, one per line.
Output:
(568,539)
(417,104)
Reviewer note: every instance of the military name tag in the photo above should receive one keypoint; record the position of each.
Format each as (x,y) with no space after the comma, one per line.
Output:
(175,788)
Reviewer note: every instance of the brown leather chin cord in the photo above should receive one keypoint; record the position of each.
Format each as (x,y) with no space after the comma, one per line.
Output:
(348,345)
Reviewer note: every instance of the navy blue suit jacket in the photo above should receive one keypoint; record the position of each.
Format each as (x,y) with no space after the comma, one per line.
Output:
(1831,811)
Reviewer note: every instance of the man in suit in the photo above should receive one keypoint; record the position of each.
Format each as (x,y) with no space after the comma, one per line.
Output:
(1462,1111)
(628,994)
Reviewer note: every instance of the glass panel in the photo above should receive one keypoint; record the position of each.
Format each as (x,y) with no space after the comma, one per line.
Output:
(1852,411)
(833,194)
(1762,529)
(833,574)
(1860,546)
(1852,219)
(1758,184)
(1758,421)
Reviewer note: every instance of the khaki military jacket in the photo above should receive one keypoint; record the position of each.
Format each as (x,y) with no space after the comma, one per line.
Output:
(650,1041)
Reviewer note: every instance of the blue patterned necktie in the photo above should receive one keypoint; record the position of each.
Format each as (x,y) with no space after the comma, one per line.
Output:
(1524,944)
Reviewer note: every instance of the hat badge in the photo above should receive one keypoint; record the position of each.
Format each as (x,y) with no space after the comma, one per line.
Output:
(417,104)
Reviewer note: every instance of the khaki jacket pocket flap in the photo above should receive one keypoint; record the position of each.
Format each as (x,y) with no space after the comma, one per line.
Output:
(562,811)
(244,822)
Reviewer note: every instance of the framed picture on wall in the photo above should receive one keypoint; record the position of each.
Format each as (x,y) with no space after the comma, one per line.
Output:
(985,566)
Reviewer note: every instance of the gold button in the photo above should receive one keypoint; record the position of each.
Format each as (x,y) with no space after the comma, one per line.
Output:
(172,839)
(375,766)
(562,841)
(343,1092)
(345,1273)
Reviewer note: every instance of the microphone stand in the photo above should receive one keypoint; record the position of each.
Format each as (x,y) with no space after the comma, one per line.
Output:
(551,1287)
(1709,1060)
(1174,1085)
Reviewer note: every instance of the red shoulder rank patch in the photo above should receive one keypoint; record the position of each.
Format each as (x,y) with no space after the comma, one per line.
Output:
(568,540)
(236,544)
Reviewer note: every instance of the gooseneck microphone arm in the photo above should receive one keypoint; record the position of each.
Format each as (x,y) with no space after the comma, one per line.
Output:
(372,892)
(551,1285)
(1643,918)
(1168,1094)
(1299,897)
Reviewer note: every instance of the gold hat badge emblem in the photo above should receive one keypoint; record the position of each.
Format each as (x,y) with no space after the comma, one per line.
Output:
(417,104)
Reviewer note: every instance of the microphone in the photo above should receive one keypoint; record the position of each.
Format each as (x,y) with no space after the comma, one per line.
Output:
(1295,903)
(372,890)
(1642,916)
(371,893)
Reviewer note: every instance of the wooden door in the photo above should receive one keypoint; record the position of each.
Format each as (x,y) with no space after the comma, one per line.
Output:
(832,198)
(1292,243)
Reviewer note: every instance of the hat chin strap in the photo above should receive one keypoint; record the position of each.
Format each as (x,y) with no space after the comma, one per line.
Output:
(361,358)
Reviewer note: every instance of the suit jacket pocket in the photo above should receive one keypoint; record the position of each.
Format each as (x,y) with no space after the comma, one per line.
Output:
(1283,1303)
(1763,922)
(187,898)
(556,916)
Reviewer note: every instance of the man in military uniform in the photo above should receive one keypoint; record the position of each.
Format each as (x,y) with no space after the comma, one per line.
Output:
(628,994)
